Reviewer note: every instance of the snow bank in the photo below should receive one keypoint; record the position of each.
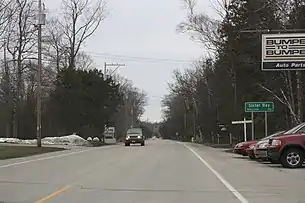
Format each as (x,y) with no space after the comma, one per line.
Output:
(65,140)
(10,140)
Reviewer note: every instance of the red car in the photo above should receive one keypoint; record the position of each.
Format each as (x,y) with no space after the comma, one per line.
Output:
(250,150)
(288,149)
(241,147)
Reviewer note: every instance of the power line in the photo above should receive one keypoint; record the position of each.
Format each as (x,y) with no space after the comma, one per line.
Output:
(137,58)
(132,58)
(129,58)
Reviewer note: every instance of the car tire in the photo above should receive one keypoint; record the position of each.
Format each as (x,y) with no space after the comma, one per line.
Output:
(143,144)
(127,144)
(292,158)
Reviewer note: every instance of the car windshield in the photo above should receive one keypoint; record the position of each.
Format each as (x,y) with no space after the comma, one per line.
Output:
(273,135)
(134,131)
(295,129)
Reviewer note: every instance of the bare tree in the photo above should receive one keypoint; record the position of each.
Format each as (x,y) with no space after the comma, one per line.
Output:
(20,42)
(200,26)
(6,12)
(80,20)
(84,61)
(284,100)
(133,106)
(55,46)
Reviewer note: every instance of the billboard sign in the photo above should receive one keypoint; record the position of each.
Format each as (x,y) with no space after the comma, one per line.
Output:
(283,51)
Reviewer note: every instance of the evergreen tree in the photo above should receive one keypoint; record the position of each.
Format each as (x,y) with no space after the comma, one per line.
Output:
(83,99)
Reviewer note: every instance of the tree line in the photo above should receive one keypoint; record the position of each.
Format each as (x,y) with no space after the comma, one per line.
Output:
(76,95)
(212,93)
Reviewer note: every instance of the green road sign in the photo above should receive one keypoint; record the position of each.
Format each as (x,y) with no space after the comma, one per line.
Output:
(259,107)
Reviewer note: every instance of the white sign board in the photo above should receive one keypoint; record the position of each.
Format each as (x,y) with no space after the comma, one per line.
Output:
(283,51)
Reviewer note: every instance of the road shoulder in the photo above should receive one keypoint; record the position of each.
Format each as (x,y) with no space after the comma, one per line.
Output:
(257,182)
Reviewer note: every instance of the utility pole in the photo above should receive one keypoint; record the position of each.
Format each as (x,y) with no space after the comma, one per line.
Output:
(126,121)
(41,21)
(132,112)
(7,80)
(116,65)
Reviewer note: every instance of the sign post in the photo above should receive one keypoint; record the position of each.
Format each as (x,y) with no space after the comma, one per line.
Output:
(255,107)
(252,129)
(266,124)
(283,52)
(245,126)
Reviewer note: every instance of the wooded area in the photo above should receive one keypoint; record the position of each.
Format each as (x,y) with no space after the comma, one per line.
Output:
(77,97)
(214,91)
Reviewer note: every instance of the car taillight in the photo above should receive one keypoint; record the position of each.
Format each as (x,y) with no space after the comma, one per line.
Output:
(276,143)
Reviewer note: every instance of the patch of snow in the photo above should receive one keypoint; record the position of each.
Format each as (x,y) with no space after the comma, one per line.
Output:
(96,139)
(65,140)
(10,140)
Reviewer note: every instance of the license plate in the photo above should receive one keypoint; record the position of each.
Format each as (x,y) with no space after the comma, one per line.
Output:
(133,141)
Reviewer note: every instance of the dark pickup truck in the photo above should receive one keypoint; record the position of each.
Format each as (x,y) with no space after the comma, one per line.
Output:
(134,136)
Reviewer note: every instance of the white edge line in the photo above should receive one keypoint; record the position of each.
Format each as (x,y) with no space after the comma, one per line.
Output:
(239,196)
(47,158)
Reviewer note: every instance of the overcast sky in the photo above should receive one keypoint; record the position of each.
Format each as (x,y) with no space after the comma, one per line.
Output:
(137,29)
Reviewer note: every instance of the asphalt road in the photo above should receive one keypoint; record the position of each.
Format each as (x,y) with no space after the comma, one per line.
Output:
(161,172)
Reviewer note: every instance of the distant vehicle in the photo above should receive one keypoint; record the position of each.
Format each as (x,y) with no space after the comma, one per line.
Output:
(109,135)
(289,148)
(134,136)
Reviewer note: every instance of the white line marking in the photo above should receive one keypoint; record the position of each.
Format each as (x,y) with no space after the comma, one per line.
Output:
(241,198)
(47,158)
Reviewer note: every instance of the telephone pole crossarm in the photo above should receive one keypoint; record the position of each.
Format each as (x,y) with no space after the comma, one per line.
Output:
(116,65)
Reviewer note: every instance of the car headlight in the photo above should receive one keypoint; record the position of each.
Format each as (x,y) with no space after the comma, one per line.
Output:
(252,146)
(264,145)
(127,138)
(139,137)
(238,145)
(276,142)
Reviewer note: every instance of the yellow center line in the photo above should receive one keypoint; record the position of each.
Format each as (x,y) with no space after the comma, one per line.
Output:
(57,192)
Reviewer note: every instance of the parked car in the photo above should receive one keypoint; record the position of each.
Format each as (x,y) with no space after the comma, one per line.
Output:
(260,148)
(241,147)
(250,151)
(289,148)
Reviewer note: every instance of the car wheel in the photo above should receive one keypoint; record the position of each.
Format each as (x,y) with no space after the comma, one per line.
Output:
(143,143)
(126,144)
(292,158)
